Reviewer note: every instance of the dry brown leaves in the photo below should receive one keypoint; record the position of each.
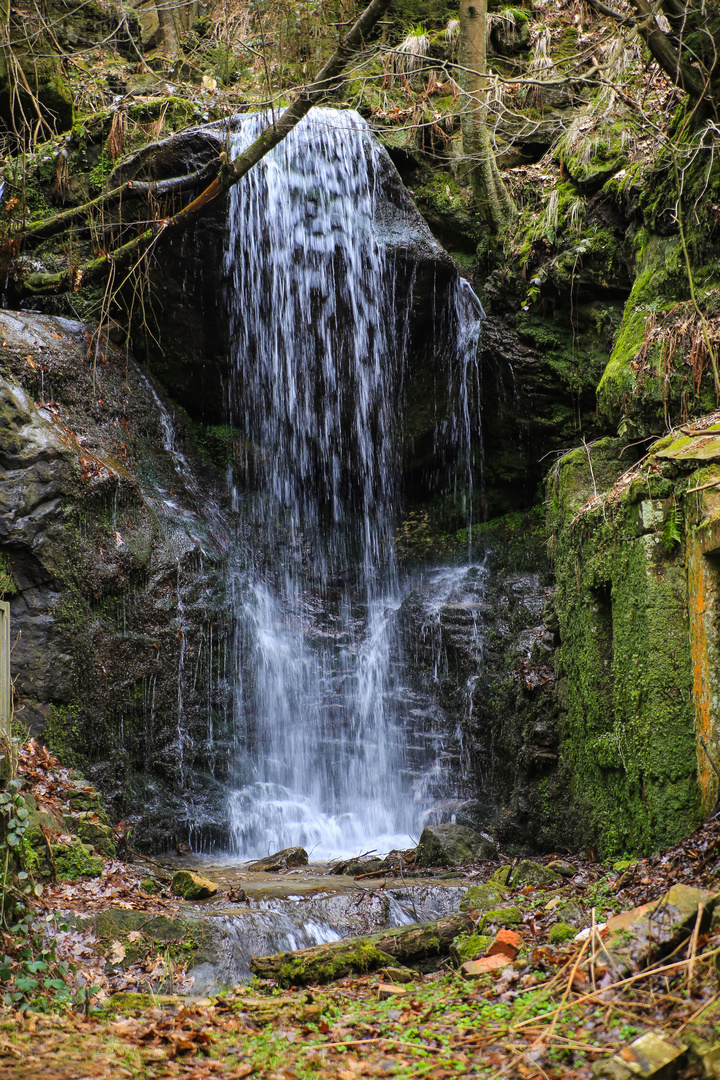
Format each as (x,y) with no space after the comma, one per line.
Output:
(681,335)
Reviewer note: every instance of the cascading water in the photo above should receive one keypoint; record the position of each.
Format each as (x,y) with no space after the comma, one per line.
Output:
(320,318)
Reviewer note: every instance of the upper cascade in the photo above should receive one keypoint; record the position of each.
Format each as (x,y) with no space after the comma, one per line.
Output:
(322,313)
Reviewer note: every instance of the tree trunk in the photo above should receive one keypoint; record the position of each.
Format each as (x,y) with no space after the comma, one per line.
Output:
(325,963)
(491,197)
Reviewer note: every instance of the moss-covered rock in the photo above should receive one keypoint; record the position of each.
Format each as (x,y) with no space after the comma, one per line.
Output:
(483,897)
(501,917)
(100,836)
(629,589)
(47,82)
(193,886)
(528,872)
(560,933)
(453,845)
(468,947)
(76,860)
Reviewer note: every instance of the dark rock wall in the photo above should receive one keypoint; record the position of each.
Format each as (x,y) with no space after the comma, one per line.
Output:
(115,544)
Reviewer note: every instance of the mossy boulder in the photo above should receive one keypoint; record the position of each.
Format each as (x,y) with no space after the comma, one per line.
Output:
(193,886)
(483,897)
(528,872)
(453,845)
(501,917)
(502,876)
(76,860)
(192,943)
(94,832)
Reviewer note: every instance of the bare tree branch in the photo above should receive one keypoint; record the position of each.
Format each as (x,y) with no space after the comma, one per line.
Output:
(231,172)
(682,74)
(138,188)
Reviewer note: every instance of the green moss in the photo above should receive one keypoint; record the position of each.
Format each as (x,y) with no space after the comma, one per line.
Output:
(468,947)
(216,444)
(62,734)
(628,741)
(76,860)
(363,957)
(560,933)
(505,916)
(8,587)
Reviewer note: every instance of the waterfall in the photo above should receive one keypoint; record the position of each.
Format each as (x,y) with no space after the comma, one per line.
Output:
(320,316)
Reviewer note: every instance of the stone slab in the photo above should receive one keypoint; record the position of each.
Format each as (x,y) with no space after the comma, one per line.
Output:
(473,969)
(652,1056)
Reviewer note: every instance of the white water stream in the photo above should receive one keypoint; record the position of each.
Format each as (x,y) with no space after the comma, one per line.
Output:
(320,323)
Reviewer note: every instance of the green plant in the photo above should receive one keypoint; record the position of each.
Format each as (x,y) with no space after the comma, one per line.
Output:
(672,528)
(15,817)
(7,581)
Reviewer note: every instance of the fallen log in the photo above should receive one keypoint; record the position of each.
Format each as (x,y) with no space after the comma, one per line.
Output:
(325,963)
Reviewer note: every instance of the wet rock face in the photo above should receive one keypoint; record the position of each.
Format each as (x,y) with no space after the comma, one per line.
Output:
(114,541)
(486,649)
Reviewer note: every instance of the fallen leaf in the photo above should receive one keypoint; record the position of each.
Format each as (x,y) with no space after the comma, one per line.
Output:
(117,953)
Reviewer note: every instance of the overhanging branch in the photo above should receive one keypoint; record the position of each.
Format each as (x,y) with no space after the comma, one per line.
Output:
(228,175)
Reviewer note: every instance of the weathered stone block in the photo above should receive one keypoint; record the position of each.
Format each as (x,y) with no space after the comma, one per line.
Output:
(639,937)
(652,1056)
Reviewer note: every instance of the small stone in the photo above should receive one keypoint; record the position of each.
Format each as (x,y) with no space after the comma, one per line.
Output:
(400,975)
(506,943)
(564,869)
(193,886)
(572,913)
(473,969)
(653,1056)
(389,990)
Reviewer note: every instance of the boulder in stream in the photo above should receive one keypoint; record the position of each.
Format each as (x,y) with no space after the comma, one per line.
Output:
(453,845)
(193,886)
(282,860)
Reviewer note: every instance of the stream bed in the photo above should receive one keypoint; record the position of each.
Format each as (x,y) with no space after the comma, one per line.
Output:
(299,908)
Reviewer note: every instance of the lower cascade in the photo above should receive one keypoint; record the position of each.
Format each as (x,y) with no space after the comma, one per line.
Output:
(335,751)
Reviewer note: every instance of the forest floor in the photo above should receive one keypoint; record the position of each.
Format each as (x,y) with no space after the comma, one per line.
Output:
(553,1013)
